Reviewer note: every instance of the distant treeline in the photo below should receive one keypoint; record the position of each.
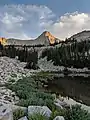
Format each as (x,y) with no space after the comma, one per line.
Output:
(22,52)
(70,53)
(28,46)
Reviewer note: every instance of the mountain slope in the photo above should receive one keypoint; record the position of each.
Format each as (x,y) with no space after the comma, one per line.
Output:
(81,36)
(44,39)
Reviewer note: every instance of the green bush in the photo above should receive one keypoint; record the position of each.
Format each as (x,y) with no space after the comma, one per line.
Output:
(73,113)
(56,112)
(76,113)
(38,116)
(31,92)
(17,114)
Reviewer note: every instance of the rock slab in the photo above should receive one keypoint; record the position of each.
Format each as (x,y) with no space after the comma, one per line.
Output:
(43,110)
(23,118)
(59,118)
(5,113)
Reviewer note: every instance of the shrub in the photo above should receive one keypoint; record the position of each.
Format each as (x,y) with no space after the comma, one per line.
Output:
(55,112)
(73,113)
(76,113)
(17,114)
(37,116)
(31,92)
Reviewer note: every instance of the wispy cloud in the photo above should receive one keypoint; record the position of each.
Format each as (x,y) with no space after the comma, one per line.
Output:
(28,21)
(24,21)
(70,24)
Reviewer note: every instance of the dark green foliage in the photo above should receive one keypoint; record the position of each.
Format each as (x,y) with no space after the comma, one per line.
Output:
(24,55)
(1,46)
(38,116)
(31,58)
(30,92)
(73,113)
(56,112)
(32,65)
(76,113)
(1,49)
(69,54)
(18,113)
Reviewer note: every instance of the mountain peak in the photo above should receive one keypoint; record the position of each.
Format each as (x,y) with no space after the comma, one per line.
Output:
(45,32)
(50,37)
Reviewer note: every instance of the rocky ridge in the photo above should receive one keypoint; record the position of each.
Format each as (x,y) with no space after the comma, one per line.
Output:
(46,38)
(81,36)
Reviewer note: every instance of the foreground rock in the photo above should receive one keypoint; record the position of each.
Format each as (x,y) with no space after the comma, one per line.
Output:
(59,118)
(44,110)
(6,113)
(60,104)
(7,110)
(23,118)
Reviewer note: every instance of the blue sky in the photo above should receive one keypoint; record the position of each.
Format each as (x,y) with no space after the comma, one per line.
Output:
(58,6)
(34,16)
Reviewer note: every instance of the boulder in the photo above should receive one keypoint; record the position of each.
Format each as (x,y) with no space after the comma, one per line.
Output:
(23,118)
(6,113)
(59,118)
(60,104)
(43,110)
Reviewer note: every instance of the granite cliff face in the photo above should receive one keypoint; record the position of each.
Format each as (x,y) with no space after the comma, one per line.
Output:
(81,36)
(3,41)
(46,38)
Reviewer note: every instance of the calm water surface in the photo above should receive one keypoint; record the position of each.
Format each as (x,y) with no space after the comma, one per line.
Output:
(77,88)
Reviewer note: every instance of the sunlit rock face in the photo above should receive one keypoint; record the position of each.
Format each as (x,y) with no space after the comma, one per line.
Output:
(51,38)
(3,41)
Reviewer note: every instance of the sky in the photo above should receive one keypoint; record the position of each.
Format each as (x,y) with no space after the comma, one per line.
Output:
(27,19)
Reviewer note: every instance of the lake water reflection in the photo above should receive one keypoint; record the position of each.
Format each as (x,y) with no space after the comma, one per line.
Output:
(77,87)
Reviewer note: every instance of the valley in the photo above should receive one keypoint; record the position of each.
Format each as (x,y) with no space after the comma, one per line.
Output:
(45,72)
